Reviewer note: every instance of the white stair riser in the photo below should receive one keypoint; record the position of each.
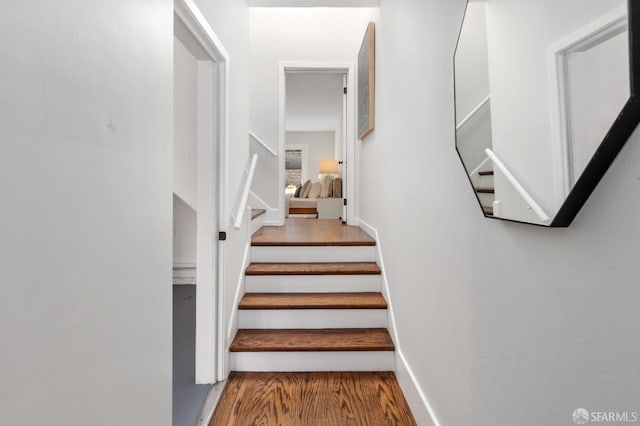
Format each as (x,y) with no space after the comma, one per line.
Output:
(486,199)
(311,283)
(313,254)
(312,318)
(313,361)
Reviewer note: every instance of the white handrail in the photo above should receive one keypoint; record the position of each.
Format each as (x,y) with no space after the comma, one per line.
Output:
(472,113)
(264,145)
(477,169)
(523,193)
(237,223)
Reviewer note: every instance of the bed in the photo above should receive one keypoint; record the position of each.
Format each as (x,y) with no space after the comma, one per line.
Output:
(309,193)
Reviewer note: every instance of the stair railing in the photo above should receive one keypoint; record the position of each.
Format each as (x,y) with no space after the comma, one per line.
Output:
(263,144)
(515,183)
(473,112)
(242,207)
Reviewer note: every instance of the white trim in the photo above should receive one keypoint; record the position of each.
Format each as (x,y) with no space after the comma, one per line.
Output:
(278,254)
(418,401)
(240,290)
(593,33)
(350,189)
(210,403)
(472,113)
(262,143)
(271,214)
(210,302)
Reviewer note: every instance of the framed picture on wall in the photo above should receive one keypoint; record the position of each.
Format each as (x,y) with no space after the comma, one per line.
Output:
(366,83)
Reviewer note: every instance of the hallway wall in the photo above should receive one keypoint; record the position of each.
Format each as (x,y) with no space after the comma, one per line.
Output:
(321,35)
(85,235)
(502,323)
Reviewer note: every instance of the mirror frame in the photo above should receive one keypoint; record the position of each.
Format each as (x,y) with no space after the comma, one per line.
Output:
(618,134)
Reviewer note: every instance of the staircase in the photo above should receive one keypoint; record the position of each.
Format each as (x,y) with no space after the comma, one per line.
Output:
(484,187)
(313,306)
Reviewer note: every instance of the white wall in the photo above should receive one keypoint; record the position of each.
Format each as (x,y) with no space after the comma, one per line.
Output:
(230,21)
(184,233)
(514,27)
(85,252)
(320,146)
(321,35)
(185,123)
(550,324)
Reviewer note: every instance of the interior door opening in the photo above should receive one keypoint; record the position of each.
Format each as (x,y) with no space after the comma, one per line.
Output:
(315,142)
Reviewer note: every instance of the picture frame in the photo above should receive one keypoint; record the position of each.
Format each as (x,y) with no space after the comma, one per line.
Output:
(366,83)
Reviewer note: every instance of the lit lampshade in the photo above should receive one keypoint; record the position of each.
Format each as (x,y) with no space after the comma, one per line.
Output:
(329,167)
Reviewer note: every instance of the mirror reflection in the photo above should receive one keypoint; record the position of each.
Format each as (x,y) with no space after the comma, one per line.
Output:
(538,85)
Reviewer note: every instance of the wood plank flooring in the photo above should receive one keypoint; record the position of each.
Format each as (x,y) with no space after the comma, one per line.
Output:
(312,232)
(333,268)
(312,301)
(312,399)
(312,340)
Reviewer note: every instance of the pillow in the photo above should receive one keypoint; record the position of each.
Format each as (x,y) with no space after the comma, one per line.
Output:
(337,188)
(304,192)
(297,193)
(316,189)
(327,188)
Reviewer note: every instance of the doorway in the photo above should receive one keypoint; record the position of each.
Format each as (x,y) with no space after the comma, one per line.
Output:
(316,141)
(200,90)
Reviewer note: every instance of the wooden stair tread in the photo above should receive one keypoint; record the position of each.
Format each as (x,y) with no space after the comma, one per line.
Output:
(312,340)
(482,190)
(488,210)
(487,173)
(332,268)
(312,232)
(257,213)
(312,301)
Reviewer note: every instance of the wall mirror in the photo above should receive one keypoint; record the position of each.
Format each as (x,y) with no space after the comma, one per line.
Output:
(544,101)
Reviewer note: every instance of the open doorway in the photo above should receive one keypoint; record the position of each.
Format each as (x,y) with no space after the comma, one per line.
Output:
(315,140)
(200,72)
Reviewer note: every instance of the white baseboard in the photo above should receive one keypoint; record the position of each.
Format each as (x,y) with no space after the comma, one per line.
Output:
(240,290)
(414,394)
(271,215)
(210,403)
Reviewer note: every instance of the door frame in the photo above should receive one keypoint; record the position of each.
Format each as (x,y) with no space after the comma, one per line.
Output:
(591,34)
(191,25)
(348,69)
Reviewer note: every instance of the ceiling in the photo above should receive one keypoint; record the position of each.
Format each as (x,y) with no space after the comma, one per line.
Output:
(314,3)
(314,102)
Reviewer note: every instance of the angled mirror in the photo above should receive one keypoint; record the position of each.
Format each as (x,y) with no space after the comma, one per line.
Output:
(544,101)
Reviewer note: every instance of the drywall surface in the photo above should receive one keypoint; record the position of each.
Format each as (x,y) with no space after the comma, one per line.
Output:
(85,246)
(503,324)
(320,146)
(187,396)
(309,35)
(184,233)
(185,123)
(230,21)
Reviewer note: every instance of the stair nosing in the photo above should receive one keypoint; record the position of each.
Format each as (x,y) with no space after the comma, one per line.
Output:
(252,272)
(316,306)
(383,347)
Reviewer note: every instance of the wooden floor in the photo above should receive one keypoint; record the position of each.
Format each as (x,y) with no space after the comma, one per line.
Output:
(312,232)
(312,399)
